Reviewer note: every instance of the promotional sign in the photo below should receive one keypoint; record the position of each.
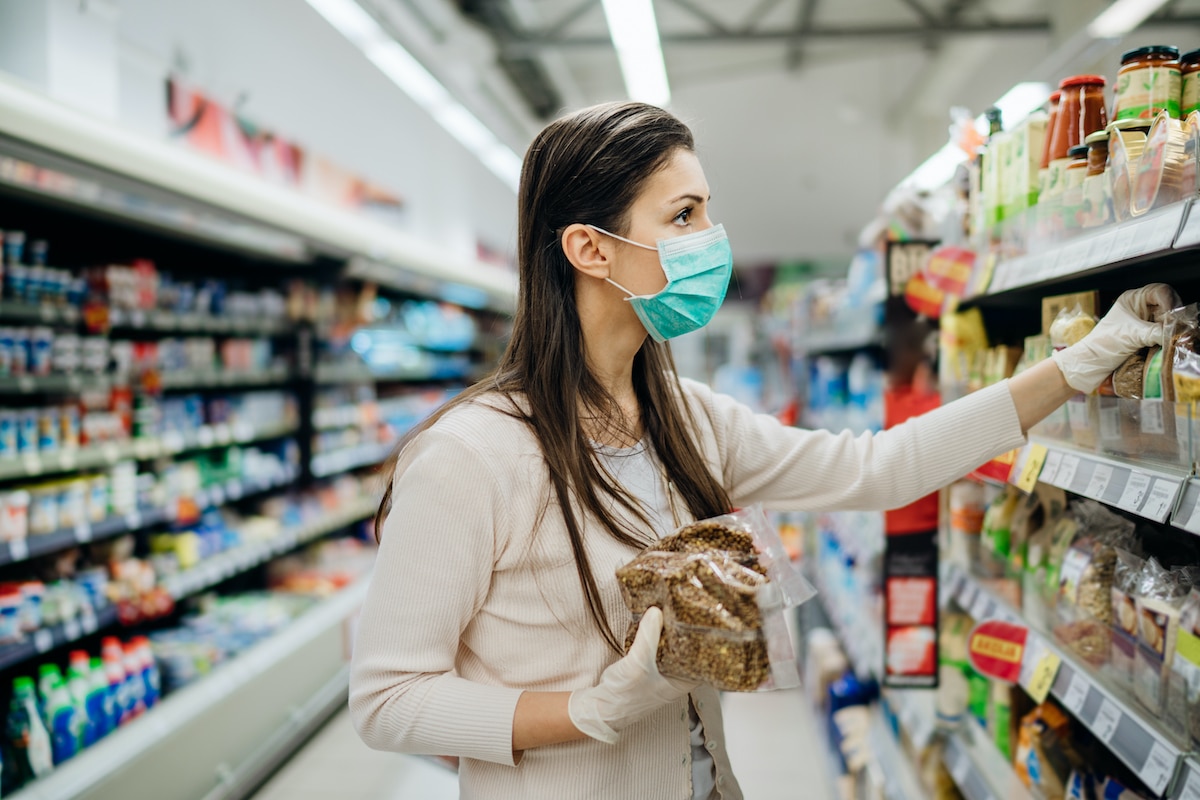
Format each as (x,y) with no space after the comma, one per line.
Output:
(997,649)
(950,269)
(905,260)
(998,469)
(910,583)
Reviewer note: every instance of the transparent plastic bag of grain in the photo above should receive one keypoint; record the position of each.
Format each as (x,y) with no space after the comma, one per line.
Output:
(723,585)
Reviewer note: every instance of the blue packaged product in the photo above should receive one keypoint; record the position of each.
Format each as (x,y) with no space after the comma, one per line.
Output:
(14,248)
(27,431)
(16,278)
(58,713)
(41,351)
(8,433)
(20,351)
(102,702)
(6,351)
(49,427)
(39,249)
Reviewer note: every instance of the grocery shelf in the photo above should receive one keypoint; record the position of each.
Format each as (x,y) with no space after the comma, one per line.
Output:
(828,342)
(916,712)
(978,768)
(218,568)
(1187,514)
(1132,733)
(44,544)
(218,736)
(99,456)
(54,384)
(891,771)
(1146,489)
(358,372)
(1187,782)
(12,312)
(46,639)
(351,458)
(1155,234)
(219,379)
(856,643)
(194,322)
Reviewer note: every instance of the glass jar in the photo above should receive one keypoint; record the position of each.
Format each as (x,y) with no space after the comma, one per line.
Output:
(1189,69)
(1054,102)
(1097,152)
(1149,82)
(1081,111)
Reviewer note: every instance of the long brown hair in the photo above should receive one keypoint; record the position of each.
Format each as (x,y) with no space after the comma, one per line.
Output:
(588,167)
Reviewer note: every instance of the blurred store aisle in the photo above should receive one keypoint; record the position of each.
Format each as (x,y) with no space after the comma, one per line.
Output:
(772,742)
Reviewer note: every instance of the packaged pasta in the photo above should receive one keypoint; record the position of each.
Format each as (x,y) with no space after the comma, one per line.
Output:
(1124,614)
(723,585)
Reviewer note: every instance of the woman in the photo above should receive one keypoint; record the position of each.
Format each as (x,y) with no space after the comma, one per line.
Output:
(491,628)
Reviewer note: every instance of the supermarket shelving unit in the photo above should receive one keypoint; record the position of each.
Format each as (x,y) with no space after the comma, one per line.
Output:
(221,736)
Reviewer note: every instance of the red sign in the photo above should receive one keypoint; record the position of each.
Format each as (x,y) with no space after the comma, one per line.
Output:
(924,298)
(950,269)
(998,469)
(996,649)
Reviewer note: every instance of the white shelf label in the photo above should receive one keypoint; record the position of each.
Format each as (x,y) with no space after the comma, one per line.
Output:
(1101,478)
(204,435)
(981,607)
(71,630)
(173,442)
(1106,721)
(961,767)
(1162,497)
(1191,787)
(87,621)
(1159,767)
(133,520)
(216,496)
(43,640)
(243,431)
(1135,492)
(1066,471)
(112,453)
(18,549)
(1077,692)
(1152,418)
(83,532)
(31,464)
(1050,468)
(67,459)
(1110,423)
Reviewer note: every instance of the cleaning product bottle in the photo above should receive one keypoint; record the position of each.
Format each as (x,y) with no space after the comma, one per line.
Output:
(59,713)
(79,685)
(34,756)
(133,677)
(114,668)
(102,700)
(150,674)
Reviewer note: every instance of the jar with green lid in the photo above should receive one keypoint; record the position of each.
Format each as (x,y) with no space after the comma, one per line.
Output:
(1189,68)
(1149,82)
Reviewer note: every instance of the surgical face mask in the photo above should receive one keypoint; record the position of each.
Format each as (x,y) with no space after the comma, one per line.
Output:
(698,267)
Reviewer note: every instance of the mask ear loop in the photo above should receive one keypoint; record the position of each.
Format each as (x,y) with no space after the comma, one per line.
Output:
(622,238)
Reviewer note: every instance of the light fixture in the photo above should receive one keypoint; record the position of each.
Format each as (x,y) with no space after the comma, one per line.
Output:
(634,33)
(1122,17)
(937,170)
(390,58)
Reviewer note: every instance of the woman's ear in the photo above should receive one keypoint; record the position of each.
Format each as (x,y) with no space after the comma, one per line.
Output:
(587,250)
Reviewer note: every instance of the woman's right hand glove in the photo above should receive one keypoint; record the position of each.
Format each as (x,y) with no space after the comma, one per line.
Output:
(629,689)
(1125,329)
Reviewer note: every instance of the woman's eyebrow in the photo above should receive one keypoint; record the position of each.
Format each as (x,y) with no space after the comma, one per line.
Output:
(693,197)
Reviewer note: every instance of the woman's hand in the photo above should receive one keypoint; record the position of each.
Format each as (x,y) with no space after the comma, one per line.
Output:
(629,689)
(1125,329)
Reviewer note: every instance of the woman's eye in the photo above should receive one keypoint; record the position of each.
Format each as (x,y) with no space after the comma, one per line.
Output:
(683,217)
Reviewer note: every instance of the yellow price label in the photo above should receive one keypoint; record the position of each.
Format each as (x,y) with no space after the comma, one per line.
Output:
(1027,482)
(1043,677)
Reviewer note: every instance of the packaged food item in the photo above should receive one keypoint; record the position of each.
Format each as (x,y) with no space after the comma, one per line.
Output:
(1000,718)
(1045,756)
(1185,666)
(997,526)
(1148,83)
(953,690)
(967,509)
(1124,614)
(1070,327)
(723,585)
(1158,176)
(14,516)
(1189,68)
(1160,597)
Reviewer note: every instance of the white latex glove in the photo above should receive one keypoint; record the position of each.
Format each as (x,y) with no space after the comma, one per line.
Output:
(629,689)
(1121,333)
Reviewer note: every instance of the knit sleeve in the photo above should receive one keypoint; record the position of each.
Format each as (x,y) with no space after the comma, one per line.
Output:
(431,576)
(789,468)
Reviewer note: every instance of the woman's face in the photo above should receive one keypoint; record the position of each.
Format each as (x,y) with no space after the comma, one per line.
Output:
(673,202)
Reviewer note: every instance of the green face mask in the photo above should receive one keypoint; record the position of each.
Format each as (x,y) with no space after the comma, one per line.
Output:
(698,267)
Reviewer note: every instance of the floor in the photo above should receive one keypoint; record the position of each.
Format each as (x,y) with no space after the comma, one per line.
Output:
(772,738)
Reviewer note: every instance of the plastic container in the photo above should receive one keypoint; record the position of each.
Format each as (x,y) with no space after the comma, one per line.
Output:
(33,594)
(1126,142)
(27,736)
(14,516)
(1149,82)
(10,615)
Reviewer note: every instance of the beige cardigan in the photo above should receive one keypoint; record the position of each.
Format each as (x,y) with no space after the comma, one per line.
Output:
(475,597)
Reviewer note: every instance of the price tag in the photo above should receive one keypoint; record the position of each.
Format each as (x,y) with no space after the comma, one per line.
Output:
(961,768)
(137,319)
(26,384)
(43,640)
(87,621)
(173,442)
(1043,676)
(1162,498)
(1110,423)
(216,496)
(1158,769)
(1066,471)
(1077,692)
(979,609)
(133,520)
(18,549)
(1135,492)
(1098,485)
(83,532)
(1033,468)
(233,490)
(1106,721)
(112,453)
(1050,470)
(31,464)
(205,436)
(243,431)
(71,630)
(222,434)
(1152,418)
(1191,787)
(67,459)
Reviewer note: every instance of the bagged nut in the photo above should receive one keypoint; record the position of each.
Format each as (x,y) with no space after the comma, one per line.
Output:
(722,585)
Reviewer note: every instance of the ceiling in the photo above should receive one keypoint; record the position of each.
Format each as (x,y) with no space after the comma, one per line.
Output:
(806,112)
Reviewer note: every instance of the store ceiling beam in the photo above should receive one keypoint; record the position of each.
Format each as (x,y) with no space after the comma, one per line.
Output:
(715,25)
(757,14)
(556,29)
(805,14)
(921,11)
(1017,27)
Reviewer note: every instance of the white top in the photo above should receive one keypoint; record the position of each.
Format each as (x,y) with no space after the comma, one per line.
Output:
(475,596)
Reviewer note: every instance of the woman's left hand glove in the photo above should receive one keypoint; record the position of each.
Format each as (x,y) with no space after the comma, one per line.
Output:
(1121,333)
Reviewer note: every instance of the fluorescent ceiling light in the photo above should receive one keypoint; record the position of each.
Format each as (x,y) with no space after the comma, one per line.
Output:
(1017,103)
(1122,17)
(634,33)
(390,57)
(937,170)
